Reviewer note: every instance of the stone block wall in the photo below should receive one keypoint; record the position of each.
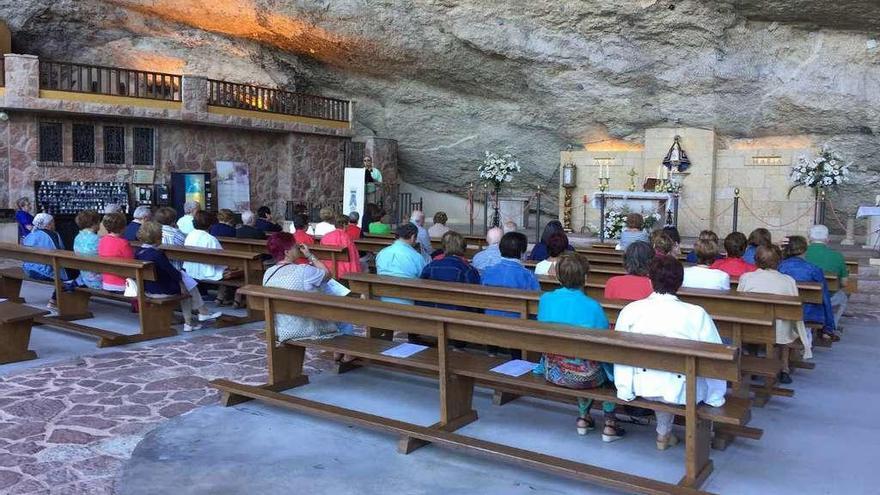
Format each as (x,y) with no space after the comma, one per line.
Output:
(708,186)
(763,193)
(282,166)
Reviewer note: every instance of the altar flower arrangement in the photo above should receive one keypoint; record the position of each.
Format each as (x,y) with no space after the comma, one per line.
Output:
(615,222)
(498,169)
(823,171)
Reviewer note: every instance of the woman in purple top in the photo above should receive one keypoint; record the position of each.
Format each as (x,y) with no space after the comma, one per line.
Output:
(24,218)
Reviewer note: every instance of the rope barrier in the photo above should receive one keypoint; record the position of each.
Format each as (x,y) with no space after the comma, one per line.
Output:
(834,212)
(756,217)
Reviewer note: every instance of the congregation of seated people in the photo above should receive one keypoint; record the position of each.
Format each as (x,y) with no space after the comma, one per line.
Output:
(654,276)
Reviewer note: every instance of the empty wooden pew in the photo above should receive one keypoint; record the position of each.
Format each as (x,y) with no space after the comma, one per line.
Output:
(457,374)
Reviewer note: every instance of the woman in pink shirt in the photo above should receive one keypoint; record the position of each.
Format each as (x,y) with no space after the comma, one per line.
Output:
(340,238)
(113,245)
(635,284)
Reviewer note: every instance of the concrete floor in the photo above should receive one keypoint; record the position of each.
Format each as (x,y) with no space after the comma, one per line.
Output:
(823,441)
(53,345)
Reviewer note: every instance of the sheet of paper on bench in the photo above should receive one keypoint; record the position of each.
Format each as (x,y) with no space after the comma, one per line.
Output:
(334,288)
(514,367)
(404,350)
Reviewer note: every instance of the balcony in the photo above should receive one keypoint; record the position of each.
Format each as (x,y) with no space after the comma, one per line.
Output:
(73,88)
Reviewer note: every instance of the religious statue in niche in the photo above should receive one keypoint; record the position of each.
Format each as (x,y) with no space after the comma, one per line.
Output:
(676,159)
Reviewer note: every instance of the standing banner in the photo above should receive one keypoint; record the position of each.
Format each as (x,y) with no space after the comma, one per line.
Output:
(353,191)
(233,186)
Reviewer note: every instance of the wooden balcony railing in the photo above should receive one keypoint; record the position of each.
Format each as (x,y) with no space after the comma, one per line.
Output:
(114,81)
(260,99)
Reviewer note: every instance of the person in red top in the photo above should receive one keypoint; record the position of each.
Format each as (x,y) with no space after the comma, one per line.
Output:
(340,238)
(300,236)
(734,265)
(635,284)
(113,245)
(354,232)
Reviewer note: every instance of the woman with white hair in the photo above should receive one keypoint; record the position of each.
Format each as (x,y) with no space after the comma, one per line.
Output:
(185,223)
(24,218)
(141,214)
(43,236)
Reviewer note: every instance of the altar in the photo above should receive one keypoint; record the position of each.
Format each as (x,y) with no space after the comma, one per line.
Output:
(727,183)
(642,202)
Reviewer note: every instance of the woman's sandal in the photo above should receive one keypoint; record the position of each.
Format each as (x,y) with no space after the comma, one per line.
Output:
(584,425)
(617,434)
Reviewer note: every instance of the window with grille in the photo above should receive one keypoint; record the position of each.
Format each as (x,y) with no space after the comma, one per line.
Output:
(143,146)
(114,145)
(83,143)
(51,143)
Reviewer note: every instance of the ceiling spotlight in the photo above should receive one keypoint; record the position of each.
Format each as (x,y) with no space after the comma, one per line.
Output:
(3,116)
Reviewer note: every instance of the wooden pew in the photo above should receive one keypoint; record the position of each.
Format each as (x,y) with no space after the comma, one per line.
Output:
(375,244)
(155,315)
(458,372)
(754,329)
(15,331)
(330,254)
(476,241)
(809,292)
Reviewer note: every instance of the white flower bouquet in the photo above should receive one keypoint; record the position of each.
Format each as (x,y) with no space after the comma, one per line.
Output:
(615,222)
(498,169)
(825,170)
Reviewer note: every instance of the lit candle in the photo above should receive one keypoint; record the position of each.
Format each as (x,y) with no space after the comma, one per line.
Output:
(607,170)
(659,172)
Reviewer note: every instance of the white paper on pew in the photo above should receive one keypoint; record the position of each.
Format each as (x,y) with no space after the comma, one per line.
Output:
(514,367)
(334,288)
(3,300)
(404,350)
(188,282)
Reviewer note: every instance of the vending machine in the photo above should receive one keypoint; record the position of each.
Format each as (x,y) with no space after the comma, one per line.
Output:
(192,186)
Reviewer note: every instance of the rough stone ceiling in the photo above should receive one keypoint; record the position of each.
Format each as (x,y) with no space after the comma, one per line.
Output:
(449,79)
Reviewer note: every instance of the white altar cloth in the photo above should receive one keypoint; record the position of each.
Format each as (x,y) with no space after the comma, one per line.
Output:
(872,237)
(635,201)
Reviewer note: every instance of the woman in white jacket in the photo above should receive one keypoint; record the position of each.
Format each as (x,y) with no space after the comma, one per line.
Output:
(663,314)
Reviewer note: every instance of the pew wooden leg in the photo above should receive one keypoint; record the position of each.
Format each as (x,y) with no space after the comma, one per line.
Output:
(73,305)
(698,434)
(285,363)
(500,397)
(156,320)
(10,288)
(698,466)
(14,340)
(456,398)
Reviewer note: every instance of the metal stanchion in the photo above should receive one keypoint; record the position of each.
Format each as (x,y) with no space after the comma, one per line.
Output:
(735,209)
(485,209)
(537,215)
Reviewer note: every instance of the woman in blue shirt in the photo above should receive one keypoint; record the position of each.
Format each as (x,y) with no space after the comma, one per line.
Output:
(796,267)
(24,218)
(43,236)
(540,252)
(569,305)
